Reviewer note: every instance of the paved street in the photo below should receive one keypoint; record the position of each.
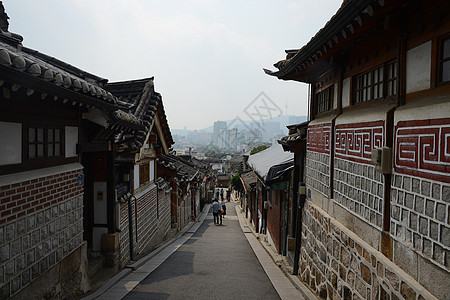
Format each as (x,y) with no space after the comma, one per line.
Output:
(216,263)
(208,262)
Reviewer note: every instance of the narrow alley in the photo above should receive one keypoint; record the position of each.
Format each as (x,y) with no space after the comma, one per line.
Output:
(207,261)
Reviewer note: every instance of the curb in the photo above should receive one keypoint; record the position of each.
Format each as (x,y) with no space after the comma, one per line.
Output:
(301,287)
(130,268)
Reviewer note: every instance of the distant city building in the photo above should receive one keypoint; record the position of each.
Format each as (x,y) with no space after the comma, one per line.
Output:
(219,129)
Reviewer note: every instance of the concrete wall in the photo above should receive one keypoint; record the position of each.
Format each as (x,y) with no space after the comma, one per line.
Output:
(41,225)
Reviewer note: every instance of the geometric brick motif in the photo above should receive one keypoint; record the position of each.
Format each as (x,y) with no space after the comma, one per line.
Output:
(422,148)
(319,138)
(355,141)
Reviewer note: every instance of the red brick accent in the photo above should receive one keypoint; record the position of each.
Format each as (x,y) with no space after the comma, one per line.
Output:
(30,196)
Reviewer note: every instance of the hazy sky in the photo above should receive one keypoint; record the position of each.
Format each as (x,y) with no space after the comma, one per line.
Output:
(206,55)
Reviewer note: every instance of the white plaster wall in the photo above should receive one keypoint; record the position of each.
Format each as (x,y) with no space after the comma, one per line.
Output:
(152,170)
(335,96)
(418,68)
(11,139)
(346,92)
(365,115)
(427,108)
(71,137)
(136,177)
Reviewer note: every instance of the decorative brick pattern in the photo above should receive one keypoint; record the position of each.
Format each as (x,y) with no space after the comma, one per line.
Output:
(336,264)
(319,138)
(359,189)
(355,141)
(41,223)
(318,171)
(419,216)
(422,148)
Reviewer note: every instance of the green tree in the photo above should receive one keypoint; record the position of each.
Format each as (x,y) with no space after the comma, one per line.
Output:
(236,183)
(258,149)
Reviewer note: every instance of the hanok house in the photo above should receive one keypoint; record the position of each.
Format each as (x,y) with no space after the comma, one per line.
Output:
(270,213)
(139,215)
(42,100)
(185,181)
(375,222)
(65,141)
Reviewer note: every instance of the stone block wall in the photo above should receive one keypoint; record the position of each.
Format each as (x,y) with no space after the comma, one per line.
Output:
(318,172)
(359,189)
(41,224)
(357,186)
(419,210)
(146,217)
(336,264)
(318,158)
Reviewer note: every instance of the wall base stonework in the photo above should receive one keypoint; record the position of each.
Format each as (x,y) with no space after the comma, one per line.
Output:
(67,279)
(336,264)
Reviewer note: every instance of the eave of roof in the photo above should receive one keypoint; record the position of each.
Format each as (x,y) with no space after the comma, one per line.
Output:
(338,25)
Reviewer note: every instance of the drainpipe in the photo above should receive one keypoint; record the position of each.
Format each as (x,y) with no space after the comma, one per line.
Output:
(298,231)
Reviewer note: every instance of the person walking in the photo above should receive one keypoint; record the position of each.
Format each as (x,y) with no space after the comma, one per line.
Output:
(224,208)
(221,194)
(216,212)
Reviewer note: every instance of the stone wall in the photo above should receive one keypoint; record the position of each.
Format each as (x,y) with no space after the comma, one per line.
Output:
(420,216)
(336,264)
(318,172)
(317,175)
(359,189)
(41,224)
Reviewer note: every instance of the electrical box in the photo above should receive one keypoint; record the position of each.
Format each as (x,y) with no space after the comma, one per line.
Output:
(382,158)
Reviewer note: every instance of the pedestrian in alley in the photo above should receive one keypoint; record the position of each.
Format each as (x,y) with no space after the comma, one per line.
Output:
(228,195)
(216,212)
(224,208)
(221,194)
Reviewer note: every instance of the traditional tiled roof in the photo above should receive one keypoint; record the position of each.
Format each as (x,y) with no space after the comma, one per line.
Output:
(162,184)
(142,102)
(345,25)
(53,79)
(185,171)
(249,180)
(297,134)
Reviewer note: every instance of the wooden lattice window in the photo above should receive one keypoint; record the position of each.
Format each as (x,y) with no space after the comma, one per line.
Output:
(44,142)
(377,83)
(444,60)
(325,99)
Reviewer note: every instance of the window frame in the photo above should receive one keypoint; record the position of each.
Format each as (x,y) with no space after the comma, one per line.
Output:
(367,85)
(325,99)
(440,60)
(45,142)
